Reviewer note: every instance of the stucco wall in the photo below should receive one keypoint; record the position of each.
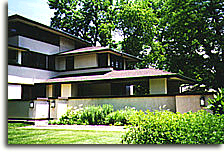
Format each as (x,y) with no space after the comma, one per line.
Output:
(185,103)
(85,61)
(33,45)
(25,72)
(66,44)
(142,103)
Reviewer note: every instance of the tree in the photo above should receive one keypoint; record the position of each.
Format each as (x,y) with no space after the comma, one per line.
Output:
(136,21)
(191,39)
(91,20)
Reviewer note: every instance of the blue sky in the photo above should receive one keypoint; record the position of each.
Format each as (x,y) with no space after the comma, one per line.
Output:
(37,10)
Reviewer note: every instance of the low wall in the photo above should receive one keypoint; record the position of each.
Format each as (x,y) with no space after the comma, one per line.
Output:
(179,103)
(185,103)
(143,103)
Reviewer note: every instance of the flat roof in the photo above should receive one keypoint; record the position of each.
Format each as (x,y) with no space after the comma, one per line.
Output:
(122,74)
(20,18)
(98,49)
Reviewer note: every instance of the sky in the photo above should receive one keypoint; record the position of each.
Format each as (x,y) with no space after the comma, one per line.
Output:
(37,10)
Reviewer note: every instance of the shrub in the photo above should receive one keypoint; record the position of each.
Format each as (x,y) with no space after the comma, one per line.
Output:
(119,117)
(170,128)
(217,104)
(95,115)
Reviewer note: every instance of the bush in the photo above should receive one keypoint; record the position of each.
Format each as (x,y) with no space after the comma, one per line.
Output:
(95,115)
(217,104)
(170,128)
(119,117)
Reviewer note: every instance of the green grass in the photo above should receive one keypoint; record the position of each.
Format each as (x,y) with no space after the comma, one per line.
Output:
(17,135)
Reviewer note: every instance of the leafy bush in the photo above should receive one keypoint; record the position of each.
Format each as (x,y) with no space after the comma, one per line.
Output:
(217,104)
(95,115)
(119,117)
(170,128)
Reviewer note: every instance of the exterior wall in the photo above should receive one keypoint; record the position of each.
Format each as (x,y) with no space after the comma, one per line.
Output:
(33,45)
(14,91)
(185,103)
(66,44)
(85,61)
(143,103)
(21,110)
(18,72)
(60,63)
(66,90)
(158,86)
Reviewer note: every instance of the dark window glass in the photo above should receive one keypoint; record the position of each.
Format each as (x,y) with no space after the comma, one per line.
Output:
(35,60)
(56,90)
(28,92)
(51,62)
(40,90)
(70,63)
(103,60)
(12,56)
(116,62)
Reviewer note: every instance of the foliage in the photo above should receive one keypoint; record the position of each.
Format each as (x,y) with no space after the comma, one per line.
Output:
(119,117)
(217,104)
(91,20)
(136,21)
(95,115)
(191,33)
(170,128)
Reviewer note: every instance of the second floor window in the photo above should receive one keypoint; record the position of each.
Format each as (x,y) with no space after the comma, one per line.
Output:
(12,56)
(70,63)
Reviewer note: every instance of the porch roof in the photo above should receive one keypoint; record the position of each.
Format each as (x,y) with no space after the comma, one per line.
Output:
(123,74)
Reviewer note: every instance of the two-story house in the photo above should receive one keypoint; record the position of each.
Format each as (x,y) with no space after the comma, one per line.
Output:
(48,64)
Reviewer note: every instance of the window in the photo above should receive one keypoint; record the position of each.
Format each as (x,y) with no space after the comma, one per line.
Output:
(103,60)
(116,62)
(51,62)
(70,63)
(12,56)
(35,60)
(56,90)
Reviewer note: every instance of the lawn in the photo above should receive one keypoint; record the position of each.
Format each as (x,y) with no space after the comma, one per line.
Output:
(17,135)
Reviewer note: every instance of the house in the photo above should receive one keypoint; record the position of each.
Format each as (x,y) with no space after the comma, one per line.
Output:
(49,70)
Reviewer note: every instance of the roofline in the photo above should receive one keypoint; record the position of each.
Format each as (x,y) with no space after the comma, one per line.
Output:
(138,77)
(100,50)
(59,32)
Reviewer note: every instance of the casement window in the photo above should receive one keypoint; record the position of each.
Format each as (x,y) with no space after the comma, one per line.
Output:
(35,60)
(51,62)
(103,60)
(70,63)
(116,62)
(12,56)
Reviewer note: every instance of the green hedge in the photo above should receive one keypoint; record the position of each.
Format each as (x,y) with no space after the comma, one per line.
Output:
(175,128)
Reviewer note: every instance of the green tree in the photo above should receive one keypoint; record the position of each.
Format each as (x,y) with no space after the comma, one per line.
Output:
(136,21)
(190,39)
(91,20)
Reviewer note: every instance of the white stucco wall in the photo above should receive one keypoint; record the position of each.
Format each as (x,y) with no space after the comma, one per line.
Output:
(85,61)
(37,46)
(14,91)
(66,44)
